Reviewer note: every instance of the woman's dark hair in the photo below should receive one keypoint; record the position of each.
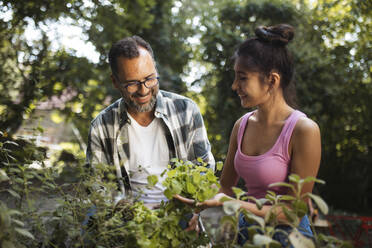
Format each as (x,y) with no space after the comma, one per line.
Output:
(127,48)
(267,52)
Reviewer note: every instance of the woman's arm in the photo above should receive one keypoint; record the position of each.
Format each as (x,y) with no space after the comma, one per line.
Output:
(305,151)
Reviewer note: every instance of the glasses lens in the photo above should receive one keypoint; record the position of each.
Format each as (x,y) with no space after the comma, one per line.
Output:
(151,82)
(132,88)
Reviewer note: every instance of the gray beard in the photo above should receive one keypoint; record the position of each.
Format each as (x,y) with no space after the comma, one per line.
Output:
(141,108)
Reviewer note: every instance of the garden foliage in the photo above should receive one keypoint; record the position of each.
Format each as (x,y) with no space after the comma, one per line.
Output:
(27,221)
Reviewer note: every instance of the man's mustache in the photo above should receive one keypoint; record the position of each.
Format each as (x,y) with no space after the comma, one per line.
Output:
(140,95)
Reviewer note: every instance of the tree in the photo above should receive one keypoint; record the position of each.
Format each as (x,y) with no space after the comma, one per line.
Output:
(36,73)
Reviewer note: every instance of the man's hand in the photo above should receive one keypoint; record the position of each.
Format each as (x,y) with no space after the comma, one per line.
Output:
(216,201)
(193,224)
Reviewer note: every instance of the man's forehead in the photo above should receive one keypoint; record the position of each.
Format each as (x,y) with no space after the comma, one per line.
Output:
(143,51)
(143,55)
(138,67)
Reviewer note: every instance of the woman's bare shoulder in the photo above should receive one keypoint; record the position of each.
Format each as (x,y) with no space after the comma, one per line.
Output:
(305,128)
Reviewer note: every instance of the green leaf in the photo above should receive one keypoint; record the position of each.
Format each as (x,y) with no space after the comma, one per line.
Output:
(291,217)
(259,220)
(275,244)
(219,165)
(299,240)
(261,240)
(322,205)
(168,193)
(196,177)
(15,170)
(18,180)
(238,192)
(3,176)
(260,202)
(18,222)
(211,177)
(176,187)
(287,198)
(282,184)
(270,197)
(309,179)
(294,178)
(320,181)
(300,207)
(171,173)
(152,180)
(24,232)
(14,212)
(14,194)
(231,207)
(190,188)
(269,216)
(11,142)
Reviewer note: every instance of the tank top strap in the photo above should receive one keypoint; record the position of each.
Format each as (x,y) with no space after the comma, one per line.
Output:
(242,126)
(288,128)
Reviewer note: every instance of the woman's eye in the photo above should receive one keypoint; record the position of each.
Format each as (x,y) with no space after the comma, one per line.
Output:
(242,78)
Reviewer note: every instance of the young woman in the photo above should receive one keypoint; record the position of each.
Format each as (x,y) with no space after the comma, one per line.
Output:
(274,140)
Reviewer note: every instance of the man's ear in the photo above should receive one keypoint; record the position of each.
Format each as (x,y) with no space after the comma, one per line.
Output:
(114,81)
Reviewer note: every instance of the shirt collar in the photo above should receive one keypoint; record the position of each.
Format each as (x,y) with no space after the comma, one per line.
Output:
(123,112)
(160,104)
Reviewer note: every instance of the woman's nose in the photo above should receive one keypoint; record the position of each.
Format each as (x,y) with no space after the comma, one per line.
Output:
(234,85)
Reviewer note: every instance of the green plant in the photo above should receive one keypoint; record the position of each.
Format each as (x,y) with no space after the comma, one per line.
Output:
(130,223)
(263,230)
(17,157)
(12,229)
(191,181)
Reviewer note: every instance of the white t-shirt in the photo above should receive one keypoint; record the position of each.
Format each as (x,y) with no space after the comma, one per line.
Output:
(149,155)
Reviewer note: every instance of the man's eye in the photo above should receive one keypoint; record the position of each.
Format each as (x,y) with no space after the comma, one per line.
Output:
(242,78)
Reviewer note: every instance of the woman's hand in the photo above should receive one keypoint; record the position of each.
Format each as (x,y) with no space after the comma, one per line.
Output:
(216,201)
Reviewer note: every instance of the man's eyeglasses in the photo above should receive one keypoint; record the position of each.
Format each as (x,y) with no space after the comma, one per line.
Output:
(133,86)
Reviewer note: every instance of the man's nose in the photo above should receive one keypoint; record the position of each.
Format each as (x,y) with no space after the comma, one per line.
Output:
(143,89)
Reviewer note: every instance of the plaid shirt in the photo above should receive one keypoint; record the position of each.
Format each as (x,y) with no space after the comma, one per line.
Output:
(108,140)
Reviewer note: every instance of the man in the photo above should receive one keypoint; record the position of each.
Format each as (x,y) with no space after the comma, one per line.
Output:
(143,130)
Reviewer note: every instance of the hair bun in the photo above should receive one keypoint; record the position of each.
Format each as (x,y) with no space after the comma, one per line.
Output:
(279,34)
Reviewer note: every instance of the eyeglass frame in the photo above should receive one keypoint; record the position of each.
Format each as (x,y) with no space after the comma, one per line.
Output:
(138,83)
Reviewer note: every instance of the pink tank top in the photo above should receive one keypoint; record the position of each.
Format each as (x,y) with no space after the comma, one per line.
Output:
(271,167)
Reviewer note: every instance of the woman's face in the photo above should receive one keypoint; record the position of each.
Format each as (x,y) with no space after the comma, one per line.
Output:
(247,84)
